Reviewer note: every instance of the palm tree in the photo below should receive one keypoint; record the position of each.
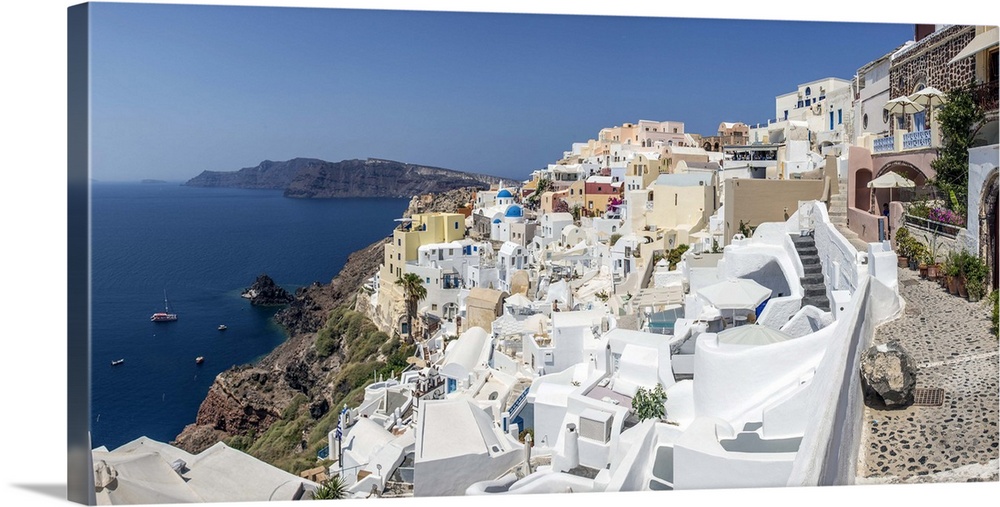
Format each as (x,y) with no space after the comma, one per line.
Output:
(333,488)
(413,292)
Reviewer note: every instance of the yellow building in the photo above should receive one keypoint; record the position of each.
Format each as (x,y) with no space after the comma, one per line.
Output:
(422,229)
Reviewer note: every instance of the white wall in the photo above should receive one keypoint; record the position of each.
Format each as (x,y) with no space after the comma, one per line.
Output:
(982,162)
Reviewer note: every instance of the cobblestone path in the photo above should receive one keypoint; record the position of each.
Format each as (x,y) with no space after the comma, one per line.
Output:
(955,349)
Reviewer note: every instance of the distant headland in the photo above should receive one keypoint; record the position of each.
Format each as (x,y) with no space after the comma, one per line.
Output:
(314,178)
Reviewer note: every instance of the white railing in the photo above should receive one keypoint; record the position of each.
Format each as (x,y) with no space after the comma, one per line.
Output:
(919,139)
(884,144)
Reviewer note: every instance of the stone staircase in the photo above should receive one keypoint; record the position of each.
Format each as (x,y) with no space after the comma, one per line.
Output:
(838,217)
(813,283)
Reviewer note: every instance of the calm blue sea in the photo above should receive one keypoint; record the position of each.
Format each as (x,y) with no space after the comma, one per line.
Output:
(202,246)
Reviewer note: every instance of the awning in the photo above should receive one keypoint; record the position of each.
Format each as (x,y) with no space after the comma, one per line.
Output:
(985,40)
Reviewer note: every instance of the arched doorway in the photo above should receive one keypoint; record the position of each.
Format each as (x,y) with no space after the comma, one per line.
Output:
(862,194)
(906,170)
(988,228)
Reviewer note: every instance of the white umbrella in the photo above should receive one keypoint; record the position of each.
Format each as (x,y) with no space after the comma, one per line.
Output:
(903,106)
(752,335)
(735,293)
(891,180)
(929,98)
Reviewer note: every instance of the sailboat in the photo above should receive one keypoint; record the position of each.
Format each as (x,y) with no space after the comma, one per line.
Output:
(165,315)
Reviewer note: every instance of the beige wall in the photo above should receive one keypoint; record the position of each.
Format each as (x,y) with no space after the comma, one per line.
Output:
(575,194)
(755,201)
(687,205)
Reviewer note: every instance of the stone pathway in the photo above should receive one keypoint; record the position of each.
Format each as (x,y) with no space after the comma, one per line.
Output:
(954,348)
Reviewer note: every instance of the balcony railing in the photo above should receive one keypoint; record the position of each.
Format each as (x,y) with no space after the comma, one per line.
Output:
(918,139)
(985,95)
(940,228)
(884,144)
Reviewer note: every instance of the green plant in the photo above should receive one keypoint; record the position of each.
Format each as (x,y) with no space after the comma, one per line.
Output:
(333,488)
(614,239)
(746,229)
(674,256)
(715,247)
(904,242)
(957,118)
(648,404)
(523,433)
(413,292)
(933,244)
(975,272)
(950,265)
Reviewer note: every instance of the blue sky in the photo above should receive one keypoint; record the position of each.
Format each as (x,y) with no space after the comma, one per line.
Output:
(178,89)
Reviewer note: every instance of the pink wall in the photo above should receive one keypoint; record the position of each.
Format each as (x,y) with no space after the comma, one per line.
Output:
(864,224)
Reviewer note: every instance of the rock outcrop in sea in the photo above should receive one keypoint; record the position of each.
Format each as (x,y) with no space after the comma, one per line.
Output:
(264,292)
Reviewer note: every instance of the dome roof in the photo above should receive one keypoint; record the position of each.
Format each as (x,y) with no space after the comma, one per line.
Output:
(496,220)
(504,193)
(514,211)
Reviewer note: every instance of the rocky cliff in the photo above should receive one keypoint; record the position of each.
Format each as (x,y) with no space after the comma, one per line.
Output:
(246,400)
(314,178)
(279,408)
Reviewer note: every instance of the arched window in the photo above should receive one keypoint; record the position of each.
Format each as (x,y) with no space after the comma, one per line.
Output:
(864,121)
(808,91)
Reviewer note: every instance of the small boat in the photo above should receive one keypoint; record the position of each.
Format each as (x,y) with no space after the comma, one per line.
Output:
(116,362)
(222,327)
(164,316)
(199,360)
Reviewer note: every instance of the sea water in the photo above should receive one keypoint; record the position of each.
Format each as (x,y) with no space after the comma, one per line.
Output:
(201,247)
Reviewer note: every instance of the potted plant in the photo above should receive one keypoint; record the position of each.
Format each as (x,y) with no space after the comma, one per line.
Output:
(914,253)
(951,272)
(932,259)
(975,278)
(903,242)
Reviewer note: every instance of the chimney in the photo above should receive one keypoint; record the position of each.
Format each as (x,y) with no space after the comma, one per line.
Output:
(921,31)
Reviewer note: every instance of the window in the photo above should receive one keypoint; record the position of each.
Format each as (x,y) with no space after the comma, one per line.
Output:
(840,117)
(428,280)
(885,116)
(808,91)
(864,121)
(456,225)
(434,307)
(786,114)
(399,242)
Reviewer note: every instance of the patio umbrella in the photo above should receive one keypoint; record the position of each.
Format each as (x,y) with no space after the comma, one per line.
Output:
(903,106)
(929,98)
(735,293)
(891,180)
(752,335)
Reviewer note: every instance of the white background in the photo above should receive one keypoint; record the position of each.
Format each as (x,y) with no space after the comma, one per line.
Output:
(33,143)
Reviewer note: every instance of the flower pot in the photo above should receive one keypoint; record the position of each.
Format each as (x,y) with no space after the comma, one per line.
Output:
(932,271)
(923,270)
(962,291)
(952,284)
(903,261)
(973,299)
(913,264)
